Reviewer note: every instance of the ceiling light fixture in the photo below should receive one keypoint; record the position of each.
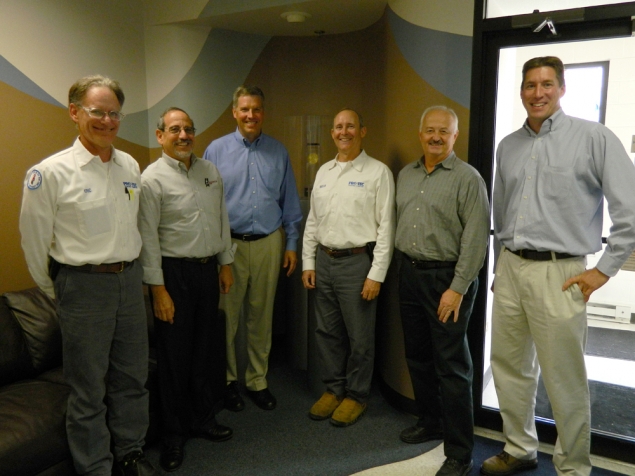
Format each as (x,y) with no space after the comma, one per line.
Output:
(295,17)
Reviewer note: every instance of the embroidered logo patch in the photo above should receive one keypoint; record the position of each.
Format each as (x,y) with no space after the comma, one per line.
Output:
(356,184)
(35,180)
(130,184)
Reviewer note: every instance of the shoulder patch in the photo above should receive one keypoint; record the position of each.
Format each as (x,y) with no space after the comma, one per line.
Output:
(35,180)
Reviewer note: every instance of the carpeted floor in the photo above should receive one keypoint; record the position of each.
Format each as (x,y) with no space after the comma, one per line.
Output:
(286,442)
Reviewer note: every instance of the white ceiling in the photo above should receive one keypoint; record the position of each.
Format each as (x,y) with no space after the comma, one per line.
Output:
(264,16)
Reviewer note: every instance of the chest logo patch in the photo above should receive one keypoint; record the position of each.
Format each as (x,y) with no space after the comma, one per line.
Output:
(35,180)
(356,184)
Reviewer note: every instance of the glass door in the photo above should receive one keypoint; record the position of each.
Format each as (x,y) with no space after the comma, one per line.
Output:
(600,57)
(610,355)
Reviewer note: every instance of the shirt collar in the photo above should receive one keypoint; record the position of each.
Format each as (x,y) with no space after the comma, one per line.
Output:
(357,163)
(447,163)
(84,156)
(549,124)
(177,164)
(239,137)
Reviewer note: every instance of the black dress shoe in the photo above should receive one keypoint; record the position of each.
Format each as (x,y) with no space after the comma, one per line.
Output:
(134,464)
(214,432)
(171,455)
(233,401)
(263,398)
(420,434)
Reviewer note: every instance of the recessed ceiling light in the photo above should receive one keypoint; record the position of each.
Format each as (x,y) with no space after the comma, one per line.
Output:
(295,17)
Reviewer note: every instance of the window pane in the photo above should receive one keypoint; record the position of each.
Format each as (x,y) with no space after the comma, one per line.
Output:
(504,8)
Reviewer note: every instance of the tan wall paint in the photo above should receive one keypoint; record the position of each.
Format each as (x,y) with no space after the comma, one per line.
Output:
(37,130)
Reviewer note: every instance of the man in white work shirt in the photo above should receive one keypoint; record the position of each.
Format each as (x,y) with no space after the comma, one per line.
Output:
(552,176)
(347,247)
(80,239)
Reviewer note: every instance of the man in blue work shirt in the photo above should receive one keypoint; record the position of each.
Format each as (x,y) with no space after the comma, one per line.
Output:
(261,198)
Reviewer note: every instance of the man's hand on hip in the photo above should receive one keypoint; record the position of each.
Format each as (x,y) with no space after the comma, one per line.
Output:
(450,303)
(588,282)
(290,261)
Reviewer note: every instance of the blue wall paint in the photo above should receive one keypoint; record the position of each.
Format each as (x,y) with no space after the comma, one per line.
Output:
(10,75)
(443,60)
(206,90)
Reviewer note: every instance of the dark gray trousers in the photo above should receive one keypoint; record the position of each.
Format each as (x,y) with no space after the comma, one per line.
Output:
(345,331)
(105,353)
(438,356)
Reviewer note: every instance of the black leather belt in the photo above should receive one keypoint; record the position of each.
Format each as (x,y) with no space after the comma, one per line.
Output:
(101,268)
(199,260)
(345,252)
(540,255)
(238,236)
(421,264)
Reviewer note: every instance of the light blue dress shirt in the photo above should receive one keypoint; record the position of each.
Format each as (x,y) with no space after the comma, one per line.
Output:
(549,191)
(260,189)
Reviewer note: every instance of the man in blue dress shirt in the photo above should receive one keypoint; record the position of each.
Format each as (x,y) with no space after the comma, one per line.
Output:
(261,198)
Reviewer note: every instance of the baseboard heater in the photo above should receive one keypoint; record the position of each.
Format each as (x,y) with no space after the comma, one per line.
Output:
(609,312)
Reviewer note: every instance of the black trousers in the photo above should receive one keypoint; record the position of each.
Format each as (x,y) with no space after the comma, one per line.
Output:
(191,358)
(438,356)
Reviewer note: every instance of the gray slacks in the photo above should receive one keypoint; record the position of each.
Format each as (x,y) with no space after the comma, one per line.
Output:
(345,333)
(105,354)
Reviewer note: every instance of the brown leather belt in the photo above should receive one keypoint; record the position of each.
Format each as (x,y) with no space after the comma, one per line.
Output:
(238,236)
(101,268)
(345,252)
(540,255)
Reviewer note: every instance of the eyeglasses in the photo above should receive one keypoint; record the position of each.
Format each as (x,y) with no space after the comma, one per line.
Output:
(99,114)
(190,131)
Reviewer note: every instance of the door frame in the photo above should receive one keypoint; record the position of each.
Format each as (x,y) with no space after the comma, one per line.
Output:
(489,36)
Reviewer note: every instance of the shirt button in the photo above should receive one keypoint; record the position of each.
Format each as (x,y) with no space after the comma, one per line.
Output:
(417,209)
(529,178)
(253,191)
(525,197)
(414,244)
(252,178)
(415,226)
(421,191)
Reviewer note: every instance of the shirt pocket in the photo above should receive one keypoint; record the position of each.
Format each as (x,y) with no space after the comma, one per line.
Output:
(93,217)
(356,200)
(556,182)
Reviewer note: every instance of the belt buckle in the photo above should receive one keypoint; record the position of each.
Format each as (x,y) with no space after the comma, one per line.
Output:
(520,253)
(205,260)
(122,266)
(244,238)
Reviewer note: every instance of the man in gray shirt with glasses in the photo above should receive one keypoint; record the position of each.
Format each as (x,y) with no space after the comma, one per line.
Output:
(185,230)
(442,232)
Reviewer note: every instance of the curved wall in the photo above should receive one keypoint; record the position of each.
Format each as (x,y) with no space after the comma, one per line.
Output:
(417,55)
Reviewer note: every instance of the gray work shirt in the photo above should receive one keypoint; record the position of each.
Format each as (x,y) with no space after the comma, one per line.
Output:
(444,216)
(549,190)
(182,214)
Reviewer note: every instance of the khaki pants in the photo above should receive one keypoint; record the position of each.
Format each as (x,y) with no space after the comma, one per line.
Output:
(256,269)
(536,323)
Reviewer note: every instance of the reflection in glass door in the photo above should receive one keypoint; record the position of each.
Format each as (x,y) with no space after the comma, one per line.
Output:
(610,355)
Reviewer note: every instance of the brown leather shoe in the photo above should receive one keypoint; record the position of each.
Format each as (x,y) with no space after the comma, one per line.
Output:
(504,464)
(348,412)
(325,406)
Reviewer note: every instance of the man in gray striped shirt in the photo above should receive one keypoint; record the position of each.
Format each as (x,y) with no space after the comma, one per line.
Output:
(442,232)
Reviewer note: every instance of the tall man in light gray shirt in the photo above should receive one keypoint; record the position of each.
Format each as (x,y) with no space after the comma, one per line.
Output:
(551,179)
(185,228)
(442,231)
